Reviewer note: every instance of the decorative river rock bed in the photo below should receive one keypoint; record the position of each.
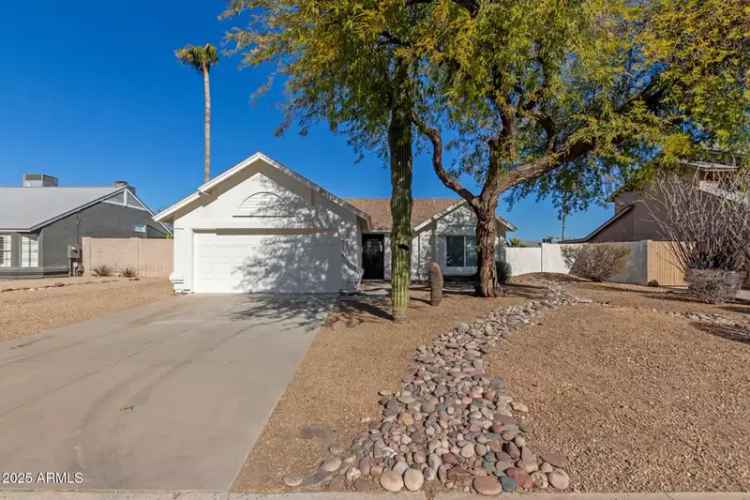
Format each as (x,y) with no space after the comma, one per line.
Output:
(450,422)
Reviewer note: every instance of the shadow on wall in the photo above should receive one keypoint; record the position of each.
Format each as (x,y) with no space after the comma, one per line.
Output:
(290,244)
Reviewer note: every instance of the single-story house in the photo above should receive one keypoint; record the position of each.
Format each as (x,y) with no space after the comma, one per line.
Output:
(261,227)
(42,224)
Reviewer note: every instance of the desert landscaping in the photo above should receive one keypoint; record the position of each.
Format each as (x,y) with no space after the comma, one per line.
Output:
(563,384)
(28,307)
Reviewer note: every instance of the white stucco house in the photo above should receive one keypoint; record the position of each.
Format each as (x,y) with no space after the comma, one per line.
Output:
(261,227)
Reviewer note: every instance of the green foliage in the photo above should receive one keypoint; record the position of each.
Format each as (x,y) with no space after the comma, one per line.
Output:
(337,60)
(200,58)
(575,98)
(515,242)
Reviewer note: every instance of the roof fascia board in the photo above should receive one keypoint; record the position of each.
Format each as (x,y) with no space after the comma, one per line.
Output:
(206,188)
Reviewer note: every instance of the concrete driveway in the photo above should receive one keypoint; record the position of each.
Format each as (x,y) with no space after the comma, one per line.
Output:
(172,395)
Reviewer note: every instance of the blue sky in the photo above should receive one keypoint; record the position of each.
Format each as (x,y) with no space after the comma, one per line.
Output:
(93,93)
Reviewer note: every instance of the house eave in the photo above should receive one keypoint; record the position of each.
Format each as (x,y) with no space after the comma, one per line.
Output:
(167,214)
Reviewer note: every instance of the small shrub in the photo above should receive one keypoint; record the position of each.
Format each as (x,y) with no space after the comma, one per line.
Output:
(653,284)
(503,271)
(714,286)
(128,273)
(596,262)
(102,271)
(436,284)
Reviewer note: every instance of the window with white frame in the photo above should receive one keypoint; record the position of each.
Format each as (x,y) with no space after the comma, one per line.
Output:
(5,246)
(461,251)
(29,251)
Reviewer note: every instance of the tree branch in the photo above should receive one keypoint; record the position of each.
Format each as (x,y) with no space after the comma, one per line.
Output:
(448,180)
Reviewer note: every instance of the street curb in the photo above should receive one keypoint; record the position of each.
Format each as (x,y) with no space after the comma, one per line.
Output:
(223,495)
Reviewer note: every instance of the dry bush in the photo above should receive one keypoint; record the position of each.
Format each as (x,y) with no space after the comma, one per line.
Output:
(596,262)
(708,226)
(102,271)
(503,272)
(128,273)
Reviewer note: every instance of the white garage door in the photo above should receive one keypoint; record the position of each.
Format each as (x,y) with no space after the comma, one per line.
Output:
(275,263)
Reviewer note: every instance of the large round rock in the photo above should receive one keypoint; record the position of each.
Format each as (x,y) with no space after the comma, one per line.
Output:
(559,479)
(487,486)
(413,479)
(391,481)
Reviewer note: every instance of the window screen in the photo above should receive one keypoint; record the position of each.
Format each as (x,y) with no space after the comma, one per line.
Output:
(5,250)
(29,252)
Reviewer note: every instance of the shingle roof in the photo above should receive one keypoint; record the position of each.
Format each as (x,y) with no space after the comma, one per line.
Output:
(25,208)
(379,210)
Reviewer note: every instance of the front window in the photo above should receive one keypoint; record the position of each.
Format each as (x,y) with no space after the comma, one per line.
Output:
(4,250)
(461,251)
(29,252)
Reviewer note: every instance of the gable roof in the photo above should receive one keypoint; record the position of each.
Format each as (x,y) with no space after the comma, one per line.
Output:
(424,211)
(28,208)
(166,215)
(379,210)
(620,213)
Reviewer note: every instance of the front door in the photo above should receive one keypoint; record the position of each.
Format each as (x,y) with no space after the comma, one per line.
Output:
(373,256)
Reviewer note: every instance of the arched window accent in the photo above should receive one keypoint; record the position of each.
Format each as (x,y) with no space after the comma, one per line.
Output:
(263,204)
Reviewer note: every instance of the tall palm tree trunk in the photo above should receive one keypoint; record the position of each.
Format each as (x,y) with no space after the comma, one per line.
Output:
(206,125)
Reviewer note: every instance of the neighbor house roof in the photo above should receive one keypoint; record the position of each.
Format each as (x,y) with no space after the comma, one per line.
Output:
(620,213)
(28,208)
(423,211)
(167,214)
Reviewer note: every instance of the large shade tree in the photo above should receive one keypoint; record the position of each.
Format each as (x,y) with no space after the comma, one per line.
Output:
(569,98)
(344,63)
(202,59)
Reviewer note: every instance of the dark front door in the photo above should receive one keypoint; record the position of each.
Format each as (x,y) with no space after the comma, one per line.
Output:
(373,256)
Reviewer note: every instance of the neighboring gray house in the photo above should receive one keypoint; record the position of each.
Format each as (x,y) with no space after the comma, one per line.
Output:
(41,224)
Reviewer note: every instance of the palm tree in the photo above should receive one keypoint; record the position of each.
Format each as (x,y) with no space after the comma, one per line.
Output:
(202,58)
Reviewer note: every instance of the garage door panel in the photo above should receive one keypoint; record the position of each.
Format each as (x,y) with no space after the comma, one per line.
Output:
(276,263)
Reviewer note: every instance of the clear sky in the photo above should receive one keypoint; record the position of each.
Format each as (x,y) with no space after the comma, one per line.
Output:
(92,93)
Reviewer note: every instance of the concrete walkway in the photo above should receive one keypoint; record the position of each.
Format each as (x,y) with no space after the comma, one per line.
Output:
(216,495)
(168,396)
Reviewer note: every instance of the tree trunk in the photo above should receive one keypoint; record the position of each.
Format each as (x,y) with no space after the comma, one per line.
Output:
(486,234)
(400,149)
(206,126)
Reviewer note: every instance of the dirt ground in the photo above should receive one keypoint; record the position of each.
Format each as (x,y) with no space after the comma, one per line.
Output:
(26,312)
(636,398)
(360,352)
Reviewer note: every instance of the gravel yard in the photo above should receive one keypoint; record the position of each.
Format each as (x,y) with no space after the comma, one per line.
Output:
(641,390)
(30,311)
(359,353)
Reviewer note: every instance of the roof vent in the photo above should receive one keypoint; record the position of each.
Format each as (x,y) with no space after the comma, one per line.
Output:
(39,180)
(124,184)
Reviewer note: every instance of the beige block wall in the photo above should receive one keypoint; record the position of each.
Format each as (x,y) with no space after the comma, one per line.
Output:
(150,258)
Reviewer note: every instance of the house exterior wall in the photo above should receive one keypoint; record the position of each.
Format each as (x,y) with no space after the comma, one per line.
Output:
(429,244)
(636,225)
(102,220)
(262,200)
